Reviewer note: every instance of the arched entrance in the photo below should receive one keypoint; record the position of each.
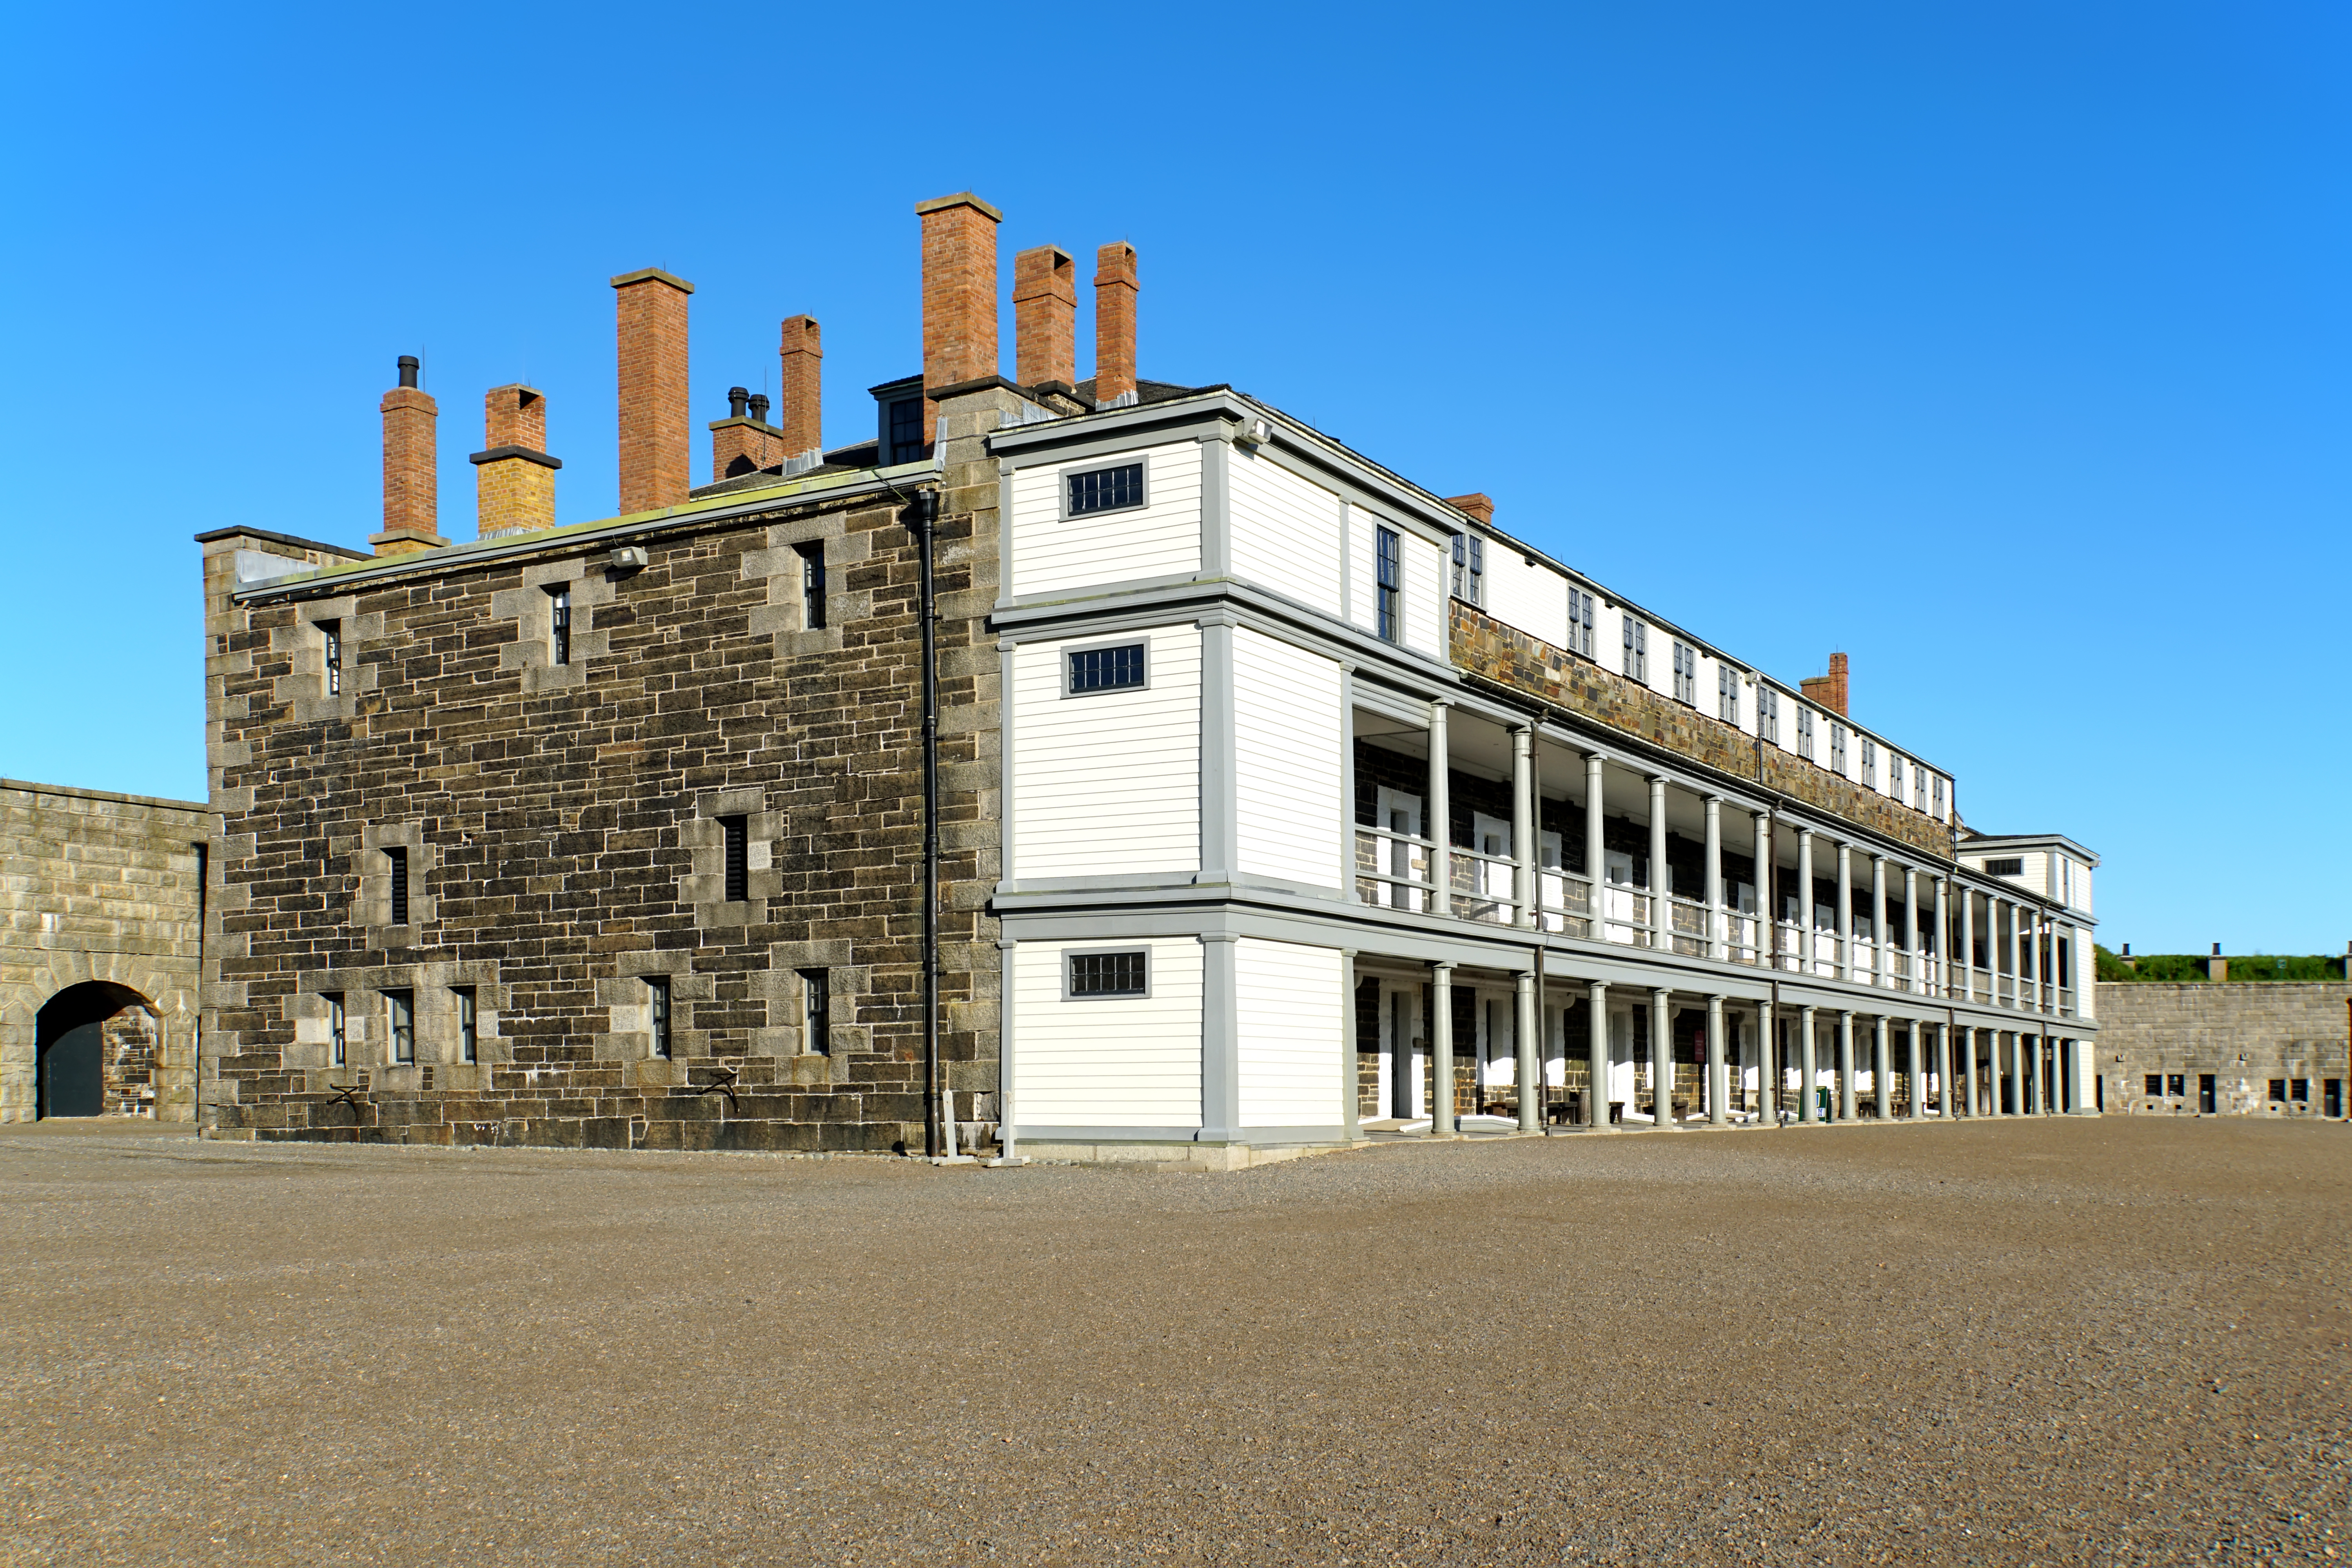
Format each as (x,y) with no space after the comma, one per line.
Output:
(69,1036)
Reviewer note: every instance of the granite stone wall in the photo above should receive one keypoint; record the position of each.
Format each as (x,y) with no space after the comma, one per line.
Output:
(563,828)
(2245,1035)
(103,890)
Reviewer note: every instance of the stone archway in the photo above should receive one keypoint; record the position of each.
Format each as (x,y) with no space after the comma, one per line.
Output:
(94,1047)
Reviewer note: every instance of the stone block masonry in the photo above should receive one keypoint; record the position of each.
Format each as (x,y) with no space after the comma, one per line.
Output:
(101,899)
(564,831)
(2244,1036)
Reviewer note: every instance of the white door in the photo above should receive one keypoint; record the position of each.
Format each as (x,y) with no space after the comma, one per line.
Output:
(1400,813)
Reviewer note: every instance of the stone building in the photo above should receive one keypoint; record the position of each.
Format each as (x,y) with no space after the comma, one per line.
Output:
(2258,1048)
(103,897)
(1275,799)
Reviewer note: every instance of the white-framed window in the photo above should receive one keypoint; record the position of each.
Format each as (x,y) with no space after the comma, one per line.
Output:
(1389,550)
(1869,763)
(1768,713)
(400,1014)
(1114,666)
(1117,488)
(1686,674)
(1837,749)
(337,1029)
(812,556)
(559,624)
(469,1029)
(1805,733)
(1938,810)
(1470,568)
(657,1013)
(330,636)
(816,1011)
(1637,650)
(1106,971)
(1579,622)
(1727,694)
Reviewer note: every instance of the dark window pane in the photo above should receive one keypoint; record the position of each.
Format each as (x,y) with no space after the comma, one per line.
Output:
(739,857)
(396,861)
(906,431)
(1106,489)
(657,1011)
(1107,974)
(1107,668)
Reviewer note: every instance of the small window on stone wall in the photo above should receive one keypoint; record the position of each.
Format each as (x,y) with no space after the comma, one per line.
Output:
(330,636)
(468,1029)
(657,1011)
(2278,1091)
(2178,1083)
(338,1030)
(739,857)
(2156,1084)
(811,584)
(400,1017)
(559,621)
(396,869)
(816,1011)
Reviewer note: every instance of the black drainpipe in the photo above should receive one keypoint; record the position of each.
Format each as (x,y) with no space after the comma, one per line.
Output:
(922,513)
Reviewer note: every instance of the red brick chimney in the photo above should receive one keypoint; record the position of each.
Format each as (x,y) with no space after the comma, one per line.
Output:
(411,496)
(1114,288)
(1045,316)
(514,478)
(656,415)
(1829,691)
(744,442)
(1479,507)
(802,387)
(959,294)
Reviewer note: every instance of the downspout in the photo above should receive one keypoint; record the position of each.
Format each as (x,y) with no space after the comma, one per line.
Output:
(920,516)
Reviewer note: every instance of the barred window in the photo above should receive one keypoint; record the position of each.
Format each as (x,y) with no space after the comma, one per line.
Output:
(396,869)
(737,831)
(1107,490)
(1108,974)
(1392,581)
(1107,668)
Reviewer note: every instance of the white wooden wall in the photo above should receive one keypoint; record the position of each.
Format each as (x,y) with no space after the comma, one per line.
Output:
(1112,1061)
(1110,782)
(1427,594)
(1290,1001)
(1530,597)
(1286,531)
(1163,539)
(1290,743)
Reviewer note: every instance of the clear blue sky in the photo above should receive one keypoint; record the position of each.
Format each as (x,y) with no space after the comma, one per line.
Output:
(2001,345)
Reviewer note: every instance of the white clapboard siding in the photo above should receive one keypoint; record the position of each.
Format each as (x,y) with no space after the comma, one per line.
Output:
(1426,573)
(1108,783)
(1111,1061)
(1529,595)
(1288,1001)
(1160,540)
(1288,744)
(1363,570)
(1285,531)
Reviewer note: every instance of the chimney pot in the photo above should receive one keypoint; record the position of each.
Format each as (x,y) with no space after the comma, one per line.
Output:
(959,294)
(736,399)
(759,401)
(1114,291)
(1045,317)
(800,356)
(411,487)
(656,413)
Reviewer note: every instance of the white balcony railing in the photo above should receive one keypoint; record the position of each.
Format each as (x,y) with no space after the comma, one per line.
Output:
(1392,871)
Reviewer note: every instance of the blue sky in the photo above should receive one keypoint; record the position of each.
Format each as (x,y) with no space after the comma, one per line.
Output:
(2000,345)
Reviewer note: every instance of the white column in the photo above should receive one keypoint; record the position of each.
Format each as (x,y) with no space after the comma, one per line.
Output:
(1438,823)
(1943,929)
(1596,792)
(1530,1044)
(1912,1059)
(1662,1057)
(2016,954)
(1807,1070)
(1352,1052)
(1845,1067)
(1805,900)
(1768,929)
(1523,818)
(1944,1102)
(1845,912)
(1915,983)
(1968,954)
(1661,878)
(1995,1078)
(1882,1069)
(1440,1050)
(1879,964)
(1718,1086)
(1596,1059)
(1768,1064)
(1713,947)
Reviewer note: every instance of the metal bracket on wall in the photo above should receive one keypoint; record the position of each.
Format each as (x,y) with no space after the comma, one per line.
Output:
(723,1081)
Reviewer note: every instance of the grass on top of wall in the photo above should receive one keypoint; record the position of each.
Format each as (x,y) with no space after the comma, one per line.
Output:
(2178,968)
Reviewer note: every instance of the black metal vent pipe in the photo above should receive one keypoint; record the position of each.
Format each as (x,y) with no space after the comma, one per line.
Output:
(920,517)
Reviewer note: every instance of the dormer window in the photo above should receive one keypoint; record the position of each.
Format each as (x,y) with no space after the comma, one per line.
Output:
(900,407)
(1116,489)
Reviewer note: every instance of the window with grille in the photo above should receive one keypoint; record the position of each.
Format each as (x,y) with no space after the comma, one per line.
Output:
(468,1035)
(1918,787)
(1940,799)
(1579,622)
(812,585)
(906,431)
(1686,674)
(1116,668)
(657,1011)
(737,833)
(396,875)
(400,1013)
(1894,776)
(1727,694)
(1768,713)
(338,1030)
(1870,761)
(1390,550)
(559,624)
(1805,733)
(1106,490)
(2010,865)
(1108,974)
(816,1011)
(331,634)
(1637,650)
(1837,750)
(1470,568)
(2156,1084)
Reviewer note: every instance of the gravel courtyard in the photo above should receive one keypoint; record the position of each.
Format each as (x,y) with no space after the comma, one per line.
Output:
(2108,1342)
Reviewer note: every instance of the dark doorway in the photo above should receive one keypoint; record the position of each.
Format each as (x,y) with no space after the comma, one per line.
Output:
(2205,1094)
(69,1038)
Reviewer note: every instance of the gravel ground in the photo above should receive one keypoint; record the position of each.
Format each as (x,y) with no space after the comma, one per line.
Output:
(2110,1341)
